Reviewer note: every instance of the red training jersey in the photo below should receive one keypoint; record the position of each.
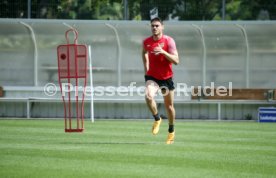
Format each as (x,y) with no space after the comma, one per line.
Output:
(159,67)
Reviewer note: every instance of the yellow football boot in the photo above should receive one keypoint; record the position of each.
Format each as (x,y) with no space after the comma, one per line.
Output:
(170,138)
(155,127)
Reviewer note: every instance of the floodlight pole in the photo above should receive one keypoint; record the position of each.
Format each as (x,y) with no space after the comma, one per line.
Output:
(29,8)
(125,9)
(223,10)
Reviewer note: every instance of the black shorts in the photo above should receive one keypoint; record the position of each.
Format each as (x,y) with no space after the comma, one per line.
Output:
(163,84)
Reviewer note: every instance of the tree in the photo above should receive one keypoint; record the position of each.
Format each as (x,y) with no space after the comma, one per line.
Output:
(44,9)
(140,9)
(164,7)
(256,7)
(109,10)
(197,10)
(69,9)
(13,9)
(235,9)
(90,9)
(134,9)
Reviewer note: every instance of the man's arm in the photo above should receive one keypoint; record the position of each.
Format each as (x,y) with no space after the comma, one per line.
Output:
(172,57)
(172,54)
(145,60)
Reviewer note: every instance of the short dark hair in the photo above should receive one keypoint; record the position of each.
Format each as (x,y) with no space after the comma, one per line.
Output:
(156,19)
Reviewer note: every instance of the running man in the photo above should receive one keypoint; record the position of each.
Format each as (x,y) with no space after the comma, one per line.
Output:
(158,54)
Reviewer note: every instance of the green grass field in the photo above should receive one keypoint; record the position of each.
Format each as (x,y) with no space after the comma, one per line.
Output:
(126,148)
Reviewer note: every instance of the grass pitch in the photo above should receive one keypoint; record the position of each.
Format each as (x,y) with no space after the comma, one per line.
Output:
(126,148)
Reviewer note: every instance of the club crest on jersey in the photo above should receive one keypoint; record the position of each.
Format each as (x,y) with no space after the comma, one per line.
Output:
(161,45)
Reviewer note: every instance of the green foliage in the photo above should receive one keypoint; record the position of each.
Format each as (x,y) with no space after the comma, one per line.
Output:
(197,10)
(111,11)
(164,8)
(256,7)
(235,9)
(134,10)
(140,9)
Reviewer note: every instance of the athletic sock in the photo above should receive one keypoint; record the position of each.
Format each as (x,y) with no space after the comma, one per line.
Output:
(171,128)
(156,117)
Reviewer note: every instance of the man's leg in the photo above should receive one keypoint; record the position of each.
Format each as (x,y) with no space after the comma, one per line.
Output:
(169,105)
(151,90)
